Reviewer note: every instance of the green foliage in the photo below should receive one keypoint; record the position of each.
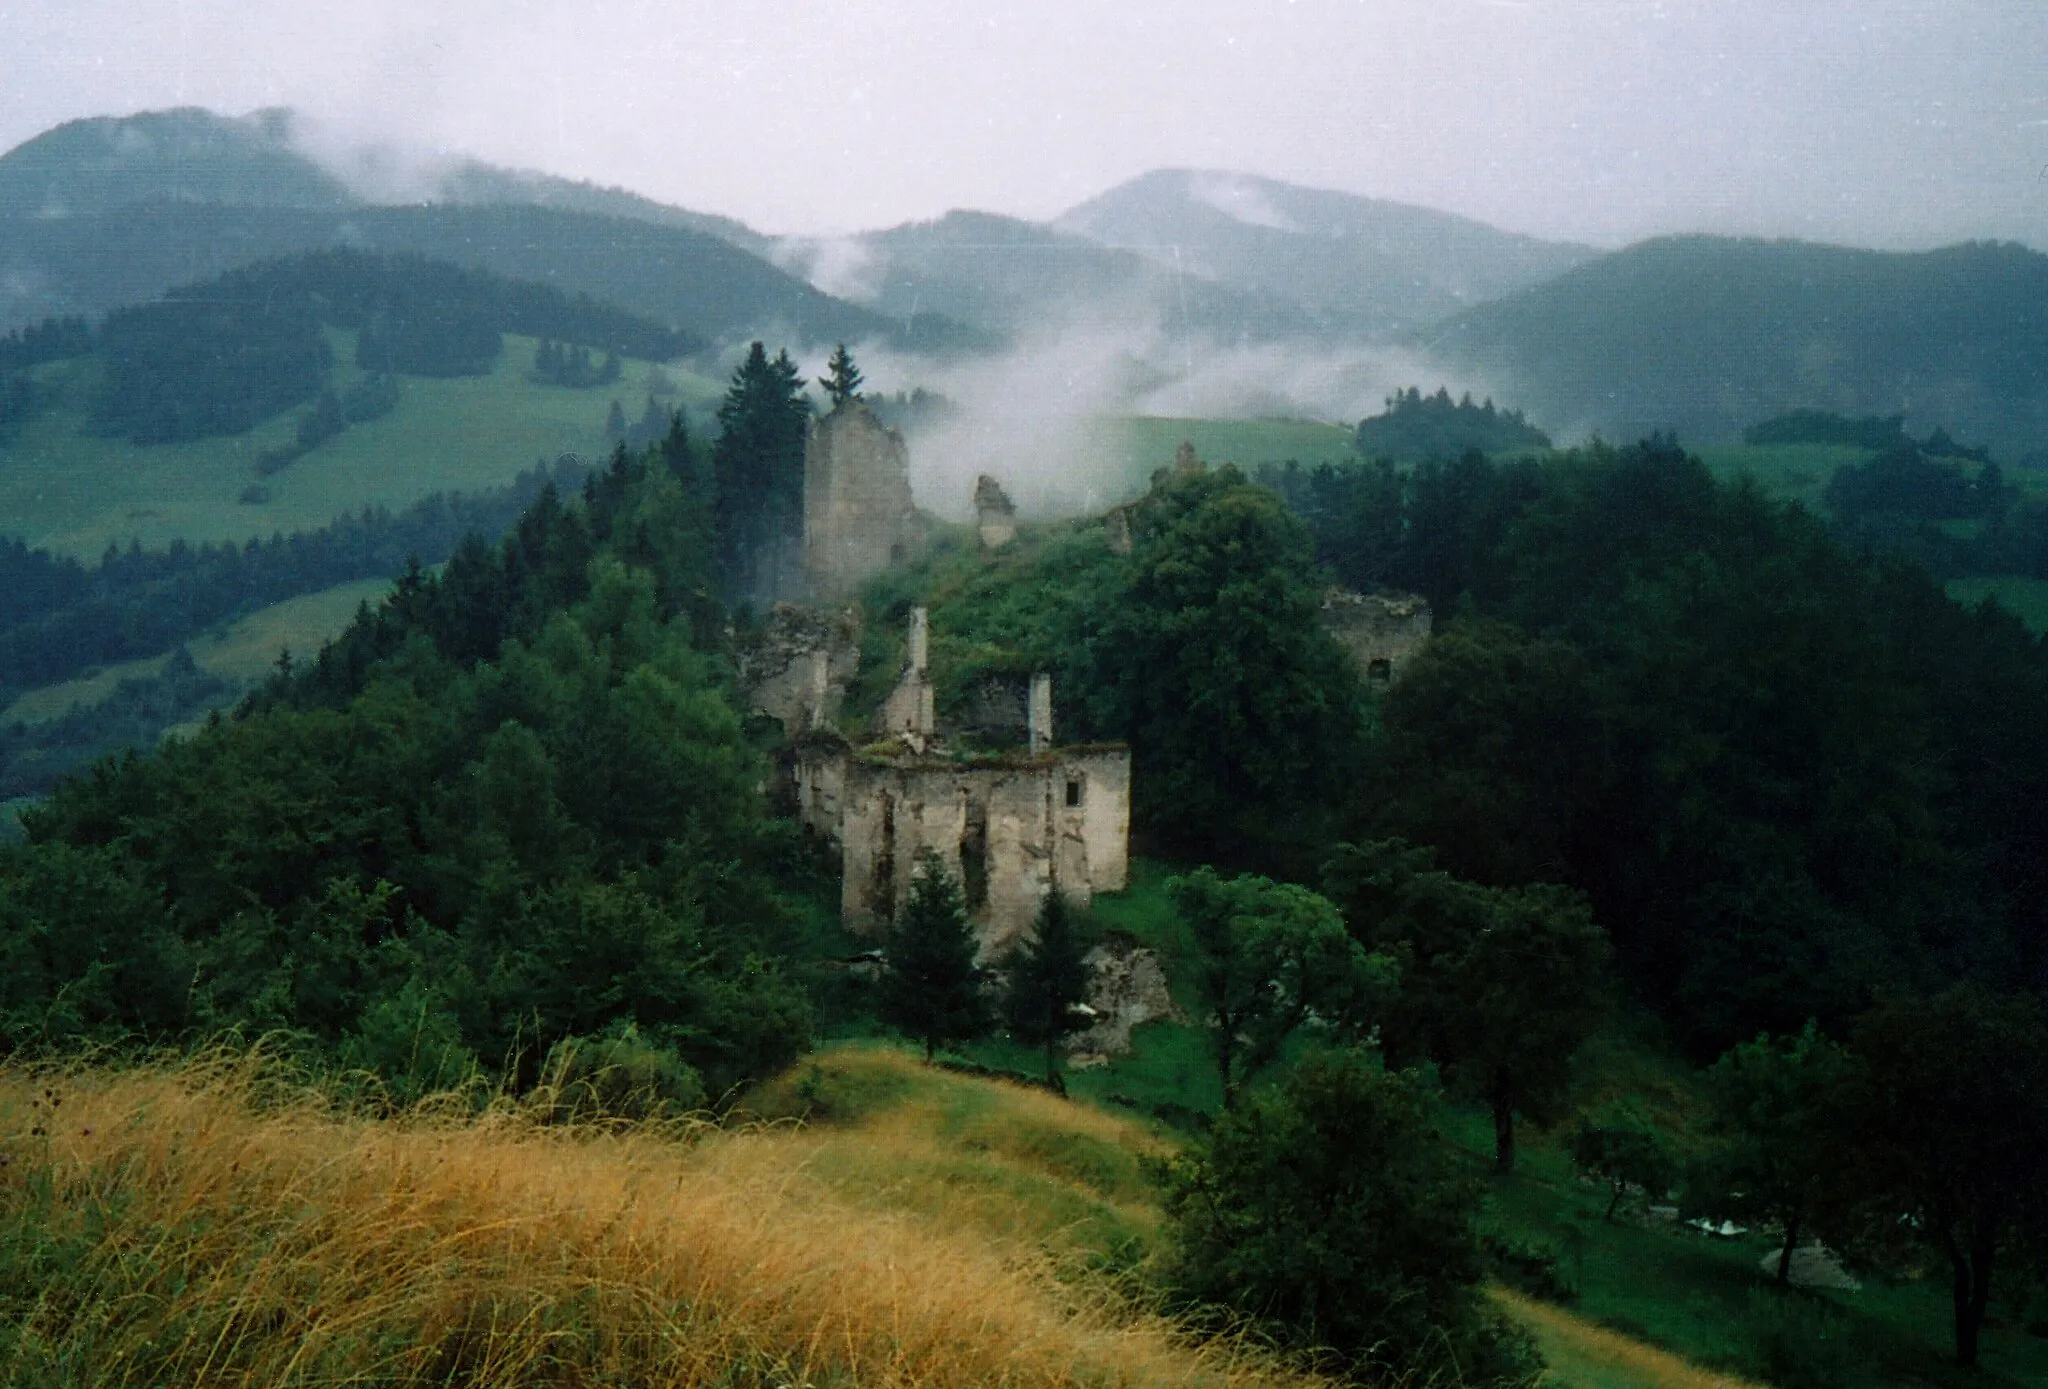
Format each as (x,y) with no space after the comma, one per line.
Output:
(758,465)
(1212,661)
(509,807)
(210,361)
(932,990)
(1626,1151)
(133,715)
(1826,427)
(842,380)
(1938,1141)
(1499,986)
(619,1075)
(1046,978)
(1328,1209)
(1269,959)
(1772,1107)
(1416,426)
(1783,775)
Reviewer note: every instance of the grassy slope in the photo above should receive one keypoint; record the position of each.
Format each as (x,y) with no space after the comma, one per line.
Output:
(1793,472)
(64,488)
(242,651)
(1656,1304)
(927,1231)
(2025,598)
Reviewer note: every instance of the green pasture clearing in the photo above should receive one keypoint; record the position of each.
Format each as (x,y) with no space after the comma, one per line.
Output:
(2024,598)
(1790,472)
(1707,1299)
(64,488)
(243,651)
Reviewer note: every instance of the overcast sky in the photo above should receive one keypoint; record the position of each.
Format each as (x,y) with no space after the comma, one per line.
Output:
(1887,122)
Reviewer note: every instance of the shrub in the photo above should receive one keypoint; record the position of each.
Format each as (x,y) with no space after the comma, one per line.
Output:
(1327,1209)
(620,1075)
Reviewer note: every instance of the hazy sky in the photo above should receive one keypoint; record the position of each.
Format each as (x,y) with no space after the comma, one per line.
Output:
(1888,122)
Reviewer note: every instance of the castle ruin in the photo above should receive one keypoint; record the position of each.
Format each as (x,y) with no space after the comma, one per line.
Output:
(1011,826)
(1382,633)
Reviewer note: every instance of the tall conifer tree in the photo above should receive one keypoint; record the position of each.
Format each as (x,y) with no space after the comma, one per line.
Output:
(932,990)
(1048,978)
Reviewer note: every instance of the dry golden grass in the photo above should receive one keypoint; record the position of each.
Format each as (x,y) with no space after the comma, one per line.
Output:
(1586,1355)
(189,1224)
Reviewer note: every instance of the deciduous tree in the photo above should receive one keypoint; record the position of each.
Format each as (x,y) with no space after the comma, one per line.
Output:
(1269,958)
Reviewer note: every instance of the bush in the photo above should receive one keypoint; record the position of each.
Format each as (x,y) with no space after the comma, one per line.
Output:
(1533,1266)
(620,1075)
(1328,1209)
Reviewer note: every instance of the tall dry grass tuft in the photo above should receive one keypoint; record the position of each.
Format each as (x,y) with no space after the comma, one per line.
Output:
(198,1223)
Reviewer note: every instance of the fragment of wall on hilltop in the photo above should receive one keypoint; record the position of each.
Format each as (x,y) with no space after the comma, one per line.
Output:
(858,515)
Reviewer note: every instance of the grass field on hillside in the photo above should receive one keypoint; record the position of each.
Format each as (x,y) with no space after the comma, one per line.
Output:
(205,1224)
(64,488)
(1790,472)
(242,651)
(2024,598)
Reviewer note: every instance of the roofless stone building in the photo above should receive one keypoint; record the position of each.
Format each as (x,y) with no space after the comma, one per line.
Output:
(1012,825)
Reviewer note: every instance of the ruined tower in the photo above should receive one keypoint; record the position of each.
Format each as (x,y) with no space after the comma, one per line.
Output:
(858,516)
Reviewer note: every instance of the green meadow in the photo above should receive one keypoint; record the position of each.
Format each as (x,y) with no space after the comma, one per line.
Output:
(65,488)
(242,651)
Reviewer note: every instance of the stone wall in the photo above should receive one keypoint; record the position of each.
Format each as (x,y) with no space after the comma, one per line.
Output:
(858,516)
(1009,829)
(1383,634)
(797,669)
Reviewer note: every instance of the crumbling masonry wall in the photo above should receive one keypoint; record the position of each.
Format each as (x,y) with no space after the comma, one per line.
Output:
(1383,634)
(1010,829)
(858,515)
(797,668)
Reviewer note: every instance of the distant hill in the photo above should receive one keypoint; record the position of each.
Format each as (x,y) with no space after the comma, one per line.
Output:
(1347,262)
(186,155)
(1708,335)
(1009,275)
(688,280)
(260,160)
(109,211)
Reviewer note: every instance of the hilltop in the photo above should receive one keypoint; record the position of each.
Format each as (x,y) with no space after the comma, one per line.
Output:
(1707,335)
(1350,263)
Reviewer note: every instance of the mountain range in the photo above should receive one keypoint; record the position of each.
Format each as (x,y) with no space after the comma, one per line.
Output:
(1702,335)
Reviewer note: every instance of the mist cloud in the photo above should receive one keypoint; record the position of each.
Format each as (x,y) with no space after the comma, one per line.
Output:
(1044,417)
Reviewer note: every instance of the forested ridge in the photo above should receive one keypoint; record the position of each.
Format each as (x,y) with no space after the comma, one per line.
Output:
(219,357)
(59,617)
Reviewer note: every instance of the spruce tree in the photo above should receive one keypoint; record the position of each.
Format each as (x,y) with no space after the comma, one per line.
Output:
(932,990)
(843,382)
(1048,977)
(758,464)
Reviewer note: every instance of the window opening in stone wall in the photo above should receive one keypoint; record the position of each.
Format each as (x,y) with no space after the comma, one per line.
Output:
(974,857)
(1380,672)
(882,884)
(1073,793)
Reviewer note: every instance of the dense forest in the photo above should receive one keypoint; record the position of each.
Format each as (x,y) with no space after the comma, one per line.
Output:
(221,356)
(1415,427)
(59,617)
